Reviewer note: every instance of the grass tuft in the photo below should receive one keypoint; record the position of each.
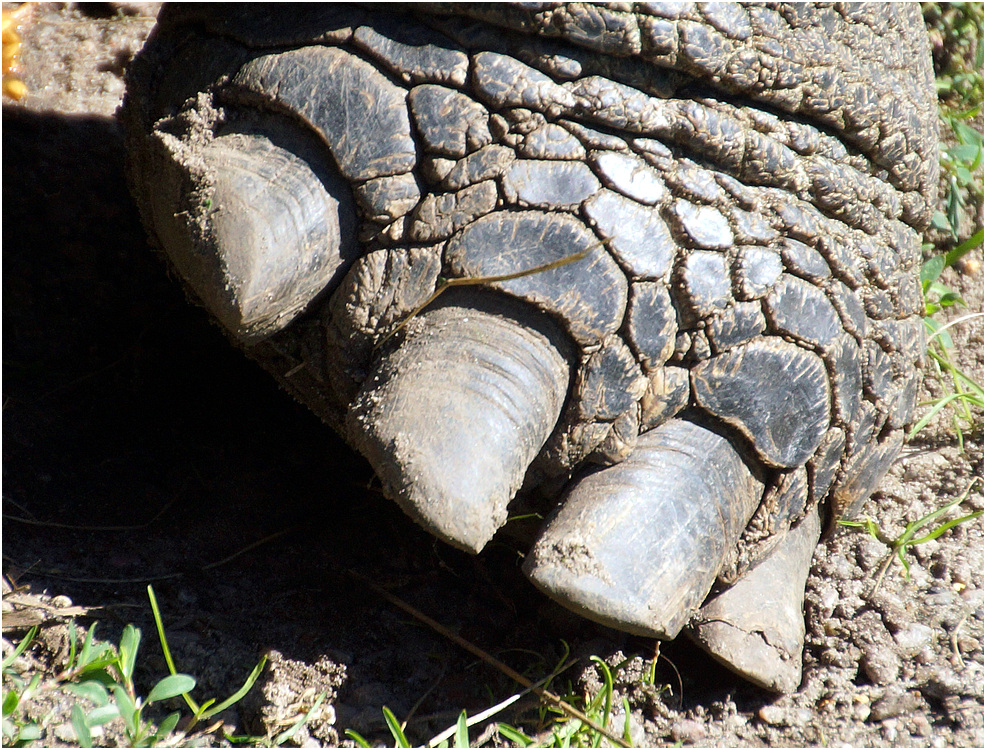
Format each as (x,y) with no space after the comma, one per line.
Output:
(97,681)
(908,538)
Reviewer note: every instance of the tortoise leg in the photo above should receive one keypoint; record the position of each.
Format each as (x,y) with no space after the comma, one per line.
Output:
(452,418)
(638,545)
(757,626)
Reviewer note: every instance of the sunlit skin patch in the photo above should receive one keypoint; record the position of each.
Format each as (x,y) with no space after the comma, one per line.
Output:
(13,87)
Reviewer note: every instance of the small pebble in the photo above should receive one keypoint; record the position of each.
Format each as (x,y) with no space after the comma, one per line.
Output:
(926,550)
(889,729)
(773,715)
(919,576)
(922,726)
(618,723)
(836,658)
(61,601)
(735,722)
(841,568)
(926,656)
(881,664)
(894,703)
(827,601)
(65,733)
(801,717)
(971,594)
(913,638)
(688,731)
(870,553)
(967,644)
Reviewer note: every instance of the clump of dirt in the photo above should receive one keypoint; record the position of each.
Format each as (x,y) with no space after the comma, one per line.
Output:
(140,447)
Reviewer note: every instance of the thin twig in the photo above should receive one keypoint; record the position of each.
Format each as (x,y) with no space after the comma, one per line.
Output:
(493,661)
(167,576)
(444,284)
(249,547)
(419,701)
(75,527)
(949,324)
(955,640)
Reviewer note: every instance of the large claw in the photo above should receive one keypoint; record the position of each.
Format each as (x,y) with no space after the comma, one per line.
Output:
(453,417)
(257,228)
(637,546)
(757,626)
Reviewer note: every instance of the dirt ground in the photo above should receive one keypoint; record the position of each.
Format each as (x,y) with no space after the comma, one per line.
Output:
(139,447)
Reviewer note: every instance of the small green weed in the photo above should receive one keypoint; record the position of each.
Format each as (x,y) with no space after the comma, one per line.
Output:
(559,728)
(17,730)
(103,676)
(961,392)
(899,546)
(956,31)
(962,164)
(567,732)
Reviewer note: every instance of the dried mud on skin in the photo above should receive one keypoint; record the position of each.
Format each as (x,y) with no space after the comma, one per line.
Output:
(124,406)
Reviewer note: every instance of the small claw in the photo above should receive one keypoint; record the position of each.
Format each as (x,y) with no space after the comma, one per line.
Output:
(265,230)
(452,418)
(637,546)
(757,626)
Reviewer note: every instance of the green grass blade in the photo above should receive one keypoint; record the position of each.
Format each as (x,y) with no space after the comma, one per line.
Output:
(607,696)
(160,630)
(964,247)
(356,737)
(21,647)
(511,734)
(238,695)
(162,638)
(395,728)
(923,422)
(293,729)
(911,529)
(81,727)
(462,731)
(903,561)
(945,527)
(626,720)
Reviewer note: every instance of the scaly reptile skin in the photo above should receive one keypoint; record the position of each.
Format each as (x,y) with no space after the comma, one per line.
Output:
(747,185)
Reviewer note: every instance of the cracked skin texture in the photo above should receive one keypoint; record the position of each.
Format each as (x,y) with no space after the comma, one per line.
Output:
(785,158)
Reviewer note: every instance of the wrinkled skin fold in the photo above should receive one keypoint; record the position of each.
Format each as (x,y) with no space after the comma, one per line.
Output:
(721,205)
